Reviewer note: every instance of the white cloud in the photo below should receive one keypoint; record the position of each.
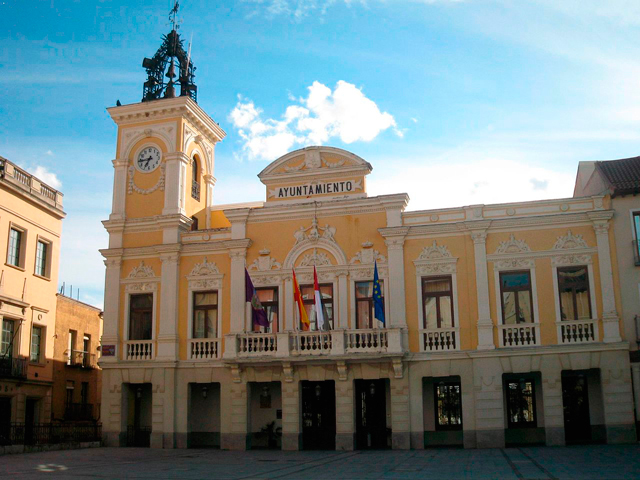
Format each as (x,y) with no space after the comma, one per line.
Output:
(447,183)
(344,113)
(49,152)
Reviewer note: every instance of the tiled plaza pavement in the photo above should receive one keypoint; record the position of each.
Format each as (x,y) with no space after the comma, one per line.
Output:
(583,463)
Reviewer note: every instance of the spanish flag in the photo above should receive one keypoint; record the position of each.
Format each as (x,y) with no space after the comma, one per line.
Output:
(297,297)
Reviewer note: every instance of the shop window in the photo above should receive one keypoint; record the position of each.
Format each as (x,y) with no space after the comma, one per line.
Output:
(437,302)
(269,300)
(364,304)
(575,299)
(205,314)
(36,344)
(308,298)
(140,316)
(521,402)
(516,296)
(448,403)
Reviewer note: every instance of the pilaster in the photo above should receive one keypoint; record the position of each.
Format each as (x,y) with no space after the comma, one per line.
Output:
(395,251)
(291,438)
(111,316)
(485,324)
(168,332)
(234,412)
(400,413)
(289,307)
(551,369)
(174,191)
(238,260)
(488,397)
(343,295)
(345,427)
(119,189)
(610,319)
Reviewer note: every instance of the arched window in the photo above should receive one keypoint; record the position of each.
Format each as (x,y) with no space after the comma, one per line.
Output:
(195,183)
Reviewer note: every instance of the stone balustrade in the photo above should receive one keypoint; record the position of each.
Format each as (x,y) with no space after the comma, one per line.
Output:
(139,350)
(577,331)
(519,335)
(439,340)
(203,348)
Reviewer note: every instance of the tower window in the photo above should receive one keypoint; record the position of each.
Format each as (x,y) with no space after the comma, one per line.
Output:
(195,182)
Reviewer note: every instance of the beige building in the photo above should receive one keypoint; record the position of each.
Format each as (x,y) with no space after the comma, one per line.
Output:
(502,322)
(77,380)
(30,225)
(620,179)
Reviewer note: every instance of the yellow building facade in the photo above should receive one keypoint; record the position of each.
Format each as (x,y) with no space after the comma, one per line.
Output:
(30,226)
(502,322)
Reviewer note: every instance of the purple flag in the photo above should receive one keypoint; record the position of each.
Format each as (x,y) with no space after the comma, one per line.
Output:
(258,315)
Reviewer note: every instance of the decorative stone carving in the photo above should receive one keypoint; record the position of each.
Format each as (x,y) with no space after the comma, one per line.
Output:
(436,268)
(264,262)
(570,241)
(601,228)
(397,368)
(145,191)
(335,164)
(141,271)
(367,273)
(513,246)
(263,280)
(206,284)
(314,233)
(367,255)
(142,287)
(434,252)
(479,237)
(205,268)
(315,259)
(562,260)
(513,263)
(287,372)
(341,367)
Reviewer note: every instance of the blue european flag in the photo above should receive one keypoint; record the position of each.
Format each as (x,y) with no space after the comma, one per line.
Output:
(378,302)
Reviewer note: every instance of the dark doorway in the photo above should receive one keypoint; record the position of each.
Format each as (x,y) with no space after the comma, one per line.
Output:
(5,420)
(139,429)
(29,420)
(318,415)
(371,414)
(575,401)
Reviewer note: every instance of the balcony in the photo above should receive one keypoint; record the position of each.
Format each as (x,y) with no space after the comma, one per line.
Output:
(195,190)
(577,331)
(313,344)
(203,348)
(519,335)
(440,340)
(79,412)
(80,359)
(13,367)
(138,350)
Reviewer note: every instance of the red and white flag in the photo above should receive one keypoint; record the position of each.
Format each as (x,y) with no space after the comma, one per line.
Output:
(318,301)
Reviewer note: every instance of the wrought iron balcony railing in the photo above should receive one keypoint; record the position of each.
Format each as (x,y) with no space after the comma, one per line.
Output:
(195,190)
(13,367)
(80,412)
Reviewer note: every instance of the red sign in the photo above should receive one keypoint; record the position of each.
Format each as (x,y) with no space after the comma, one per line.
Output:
(108,350)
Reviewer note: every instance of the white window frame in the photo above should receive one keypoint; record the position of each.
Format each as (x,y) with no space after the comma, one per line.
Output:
(352,298)
(190,309)
(523,264)
(583,261)
(127,303)
(49,253)
(204,283)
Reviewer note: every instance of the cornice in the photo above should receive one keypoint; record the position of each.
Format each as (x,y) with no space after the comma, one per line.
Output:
(309,176)
(146,224)
(387,232)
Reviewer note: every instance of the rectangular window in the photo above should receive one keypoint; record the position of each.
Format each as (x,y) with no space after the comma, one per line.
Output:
(7,338)
(517,299)
(521,403)
(364,304)
(205,314)
(269,300)
(448,402)
(140,316)
(36,344)
(437,302)
(86,351)
(636,237)
(573,286)
(42,249)
(326,295)
(15,246)
(70,388)
(71,347)
(84,393)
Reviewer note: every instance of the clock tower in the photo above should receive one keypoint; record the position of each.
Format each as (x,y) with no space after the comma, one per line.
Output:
(163,186)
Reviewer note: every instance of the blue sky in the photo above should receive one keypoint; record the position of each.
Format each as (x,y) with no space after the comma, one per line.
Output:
(453,102)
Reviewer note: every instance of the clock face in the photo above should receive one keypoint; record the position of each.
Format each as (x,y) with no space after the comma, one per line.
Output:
(148,159)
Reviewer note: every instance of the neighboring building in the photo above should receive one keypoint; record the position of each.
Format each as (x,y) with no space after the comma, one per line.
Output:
(620,179)
(502,321)
(77,380)
(30,225)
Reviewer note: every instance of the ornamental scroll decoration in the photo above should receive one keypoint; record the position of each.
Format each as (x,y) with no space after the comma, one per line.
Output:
(141,271)
(434,260)
(264,262)
(367,255)
(512,246)
(315,233)
(141,279)
(570,241)
(145,191)
(315,259)
(204,276)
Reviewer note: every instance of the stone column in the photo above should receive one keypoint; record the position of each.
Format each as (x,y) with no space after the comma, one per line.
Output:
(174,184)
(209,182)
(395,250)
(551,369)
(289,308)
(610,319)
(119,189)
(111,315)
(485,324)
(343,299)
(168,314)
(233,414)
(400,413)
(291,434)
(345,425)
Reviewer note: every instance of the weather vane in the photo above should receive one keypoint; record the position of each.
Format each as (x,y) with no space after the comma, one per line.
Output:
(161,69)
